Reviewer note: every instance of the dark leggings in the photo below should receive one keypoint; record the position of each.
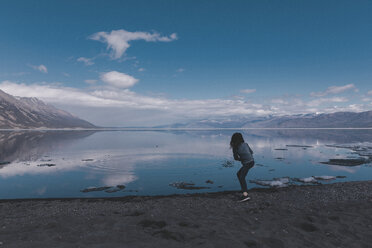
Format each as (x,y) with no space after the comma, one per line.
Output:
(242,173)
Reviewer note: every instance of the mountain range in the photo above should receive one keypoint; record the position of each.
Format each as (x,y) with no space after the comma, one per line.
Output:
(332,120)
(26,113)
(29,113)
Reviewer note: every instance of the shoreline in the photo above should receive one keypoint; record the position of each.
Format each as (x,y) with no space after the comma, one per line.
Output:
(182,129)
(330,215)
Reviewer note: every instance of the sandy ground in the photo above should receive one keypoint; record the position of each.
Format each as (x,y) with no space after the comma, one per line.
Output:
(337,215)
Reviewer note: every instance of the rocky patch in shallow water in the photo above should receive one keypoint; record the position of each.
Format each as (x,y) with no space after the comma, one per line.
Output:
(346,161)
(301,146)
(276,182)
(228,163)
(286,181)
(107,189)
(189,186)
(363,150)
(46,165)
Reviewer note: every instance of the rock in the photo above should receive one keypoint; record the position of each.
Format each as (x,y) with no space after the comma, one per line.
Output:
(112,190)
(91,189)
(188,186)
(324,177)
(120,186)
(346,162)
(46,165)
(276,182)
(340,176)
(306,180)
(228,163)
(303,146)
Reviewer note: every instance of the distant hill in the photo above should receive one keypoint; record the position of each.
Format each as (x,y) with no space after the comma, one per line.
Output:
(26,113)
(333,120)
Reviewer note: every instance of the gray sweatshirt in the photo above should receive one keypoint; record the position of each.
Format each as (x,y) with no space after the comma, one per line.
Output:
(243,153)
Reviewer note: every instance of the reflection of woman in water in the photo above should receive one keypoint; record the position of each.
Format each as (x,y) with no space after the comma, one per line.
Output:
(243,153)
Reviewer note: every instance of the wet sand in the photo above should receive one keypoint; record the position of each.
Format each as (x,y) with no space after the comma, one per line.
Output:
(336,215)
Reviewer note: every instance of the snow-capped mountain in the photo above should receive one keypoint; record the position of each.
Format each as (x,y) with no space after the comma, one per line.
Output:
(24,112)
(333,120)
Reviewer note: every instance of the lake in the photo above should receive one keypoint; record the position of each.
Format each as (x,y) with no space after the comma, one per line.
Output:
(63,164)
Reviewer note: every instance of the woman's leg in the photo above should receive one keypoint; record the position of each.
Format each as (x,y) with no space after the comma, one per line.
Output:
(242,173)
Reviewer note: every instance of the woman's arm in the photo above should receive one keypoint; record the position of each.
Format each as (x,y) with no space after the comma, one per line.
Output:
(236,154)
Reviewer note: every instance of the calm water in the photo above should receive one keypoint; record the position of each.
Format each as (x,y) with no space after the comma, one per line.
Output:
(39,164)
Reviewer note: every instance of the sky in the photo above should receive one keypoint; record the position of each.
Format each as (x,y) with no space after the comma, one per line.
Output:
(146,63)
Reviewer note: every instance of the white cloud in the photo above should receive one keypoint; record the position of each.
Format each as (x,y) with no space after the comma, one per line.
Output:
(41,68)
(335,90)
(118,79)
(248,91)
(86,61)
(118,40)
(320,101)
(124,98)
(56,94)
(279,101)
(112,106)
(141,69)
(180,70)
(90,81)
(369,93)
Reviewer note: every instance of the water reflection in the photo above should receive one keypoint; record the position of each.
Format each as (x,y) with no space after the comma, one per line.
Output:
(146,162)
(31,145)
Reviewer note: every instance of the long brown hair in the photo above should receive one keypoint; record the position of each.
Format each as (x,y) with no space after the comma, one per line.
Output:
(236,140)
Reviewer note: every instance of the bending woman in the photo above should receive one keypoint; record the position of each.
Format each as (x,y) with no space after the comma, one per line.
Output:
(243,153)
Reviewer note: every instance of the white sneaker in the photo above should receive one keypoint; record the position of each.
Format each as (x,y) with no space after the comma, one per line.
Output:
(244,198)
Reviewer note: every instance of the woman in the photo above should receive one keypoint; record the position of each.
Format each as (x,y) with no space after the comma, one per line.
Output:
(243,153)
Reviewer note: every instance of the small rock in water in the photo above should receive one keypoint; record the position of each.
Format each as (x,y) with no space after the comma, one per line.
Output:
(340,176)
(120,186)
(276,182)
(303,146)
(4,162)
(115,189)
(346,162)
(228,163)
(306,180)
(112,190)
(87,160)
(91,189)
(324,177)
(46,165)
(209,181)
(184,185)
(281,149)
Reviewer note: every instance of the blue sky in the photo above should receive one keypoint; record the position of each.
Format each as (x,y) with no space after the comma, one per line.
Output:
(122,63)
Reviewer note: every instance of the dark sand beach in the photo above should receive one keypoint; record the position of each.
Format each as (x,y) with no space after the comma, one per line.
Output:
(335,215)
